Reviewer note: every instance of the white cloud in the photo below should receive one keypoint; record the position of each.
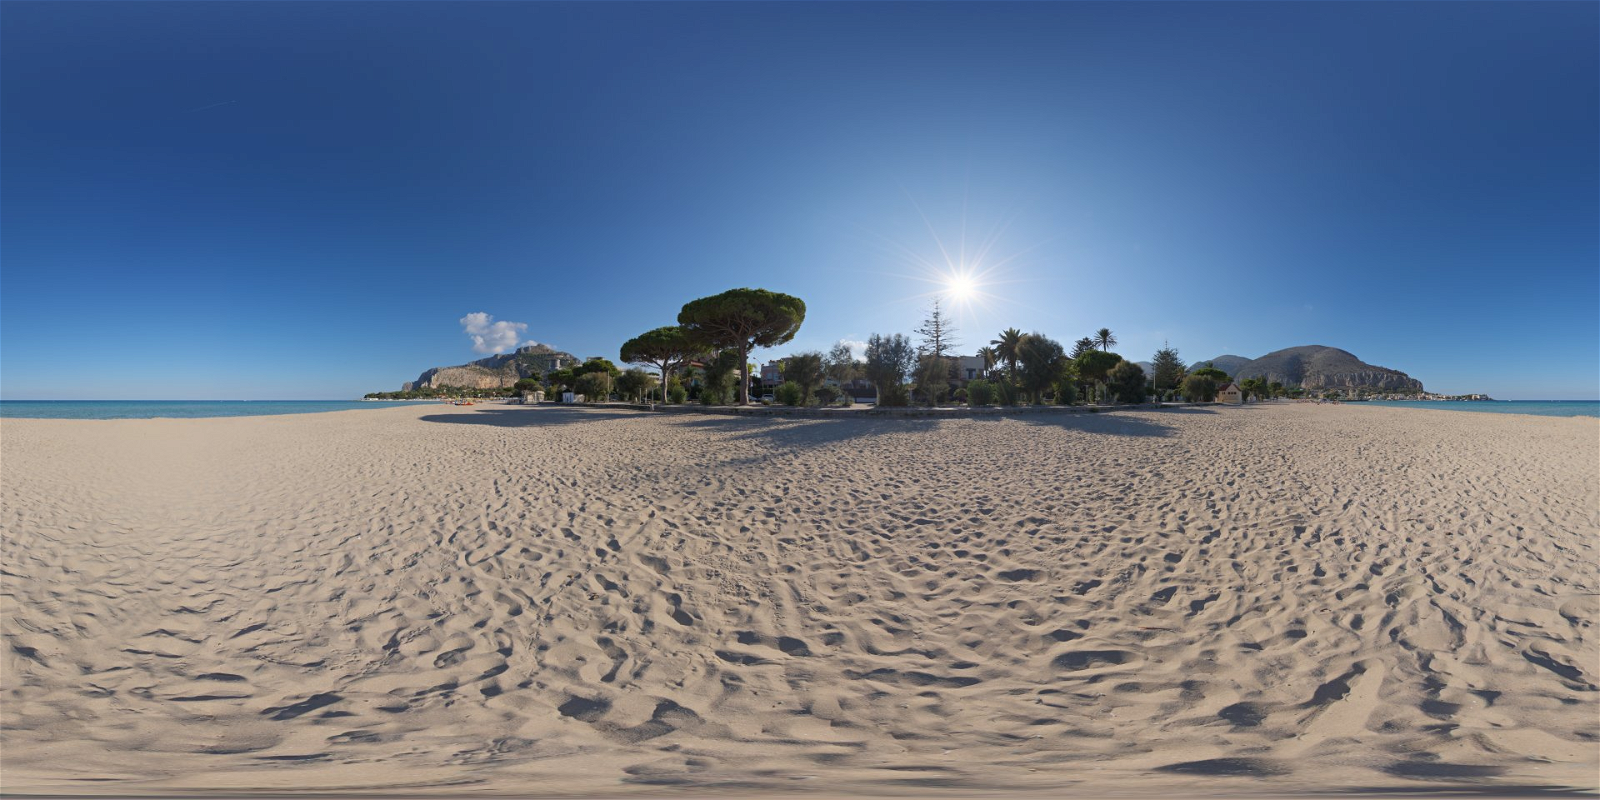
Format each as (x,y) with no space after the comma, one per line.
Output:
(857,349)
(489,336)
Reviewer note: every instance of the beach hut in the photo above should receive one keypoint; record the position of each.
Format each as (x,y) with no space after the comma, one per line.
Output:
(1229,393)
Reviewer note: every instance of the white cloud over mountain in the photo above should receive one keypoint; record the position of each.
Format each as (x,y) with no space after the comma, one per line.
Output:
(489,336)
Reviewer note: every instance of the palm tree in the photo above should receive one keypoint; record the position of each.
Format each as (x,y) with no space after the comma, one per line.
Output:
(1006,347)
(1104,338)
(988,356)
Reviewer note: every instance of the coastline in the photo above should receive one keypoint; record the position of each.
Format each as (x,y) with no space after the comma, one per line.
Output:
(1211,600)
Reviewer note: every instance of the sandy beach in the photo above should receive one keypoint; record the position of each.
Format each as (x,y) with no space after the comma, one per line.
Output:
(505,599)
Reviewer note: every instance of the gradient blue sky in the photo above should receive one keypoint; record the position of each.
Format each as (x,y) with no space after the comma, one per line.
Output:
(302,200)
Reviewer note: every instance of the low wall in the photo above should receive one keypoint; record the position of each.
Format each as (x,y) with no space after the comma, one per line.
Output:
(873,411)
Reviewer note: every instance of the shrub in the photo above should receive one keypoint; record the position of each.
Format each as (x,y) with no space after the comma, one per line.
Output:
(894,395)
(846,400)
(789,393)
(932,378)
(980,393)
(719,380)
(961,395)
(676,393)
(1066,391)
(1006,393)
(827,394)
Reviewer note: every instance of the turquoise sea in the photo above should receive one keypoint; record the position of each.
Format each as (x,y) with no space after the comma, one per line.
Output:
(147,409)
(1542,408)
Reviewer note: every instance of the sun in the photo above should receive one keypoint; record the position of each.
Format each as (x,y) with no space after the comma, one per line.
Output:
(960,287)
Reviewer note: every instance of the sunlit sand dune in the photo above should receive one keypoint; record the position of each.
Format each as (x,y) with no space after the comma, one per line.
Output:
(1256,599)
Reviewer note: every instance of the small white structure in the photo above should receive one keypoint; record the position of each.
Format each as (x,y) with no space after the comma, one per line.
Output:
(569,397)
(1230,393)
(968,368)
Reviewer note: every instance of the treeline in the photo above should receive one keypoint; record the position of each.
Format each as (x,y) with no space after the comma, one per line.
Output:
(440,393)
(703,357)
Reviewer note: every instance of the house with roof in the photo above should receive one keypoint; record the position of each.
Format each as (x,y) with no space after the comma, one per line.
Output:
(1230,393)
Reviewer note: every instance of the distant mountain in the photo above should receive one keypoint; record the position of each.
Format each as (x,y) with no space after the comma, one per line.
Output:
(1229,364)
(1317,367)
(1149,368)
(494,372)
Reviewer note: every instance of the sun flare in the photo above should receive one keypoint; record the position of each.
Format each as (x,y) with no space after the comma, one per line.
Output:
(960,288)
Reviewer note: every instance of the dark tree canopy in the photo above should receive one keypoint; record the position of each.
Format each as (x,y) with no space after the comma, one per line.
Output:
(667,348)
(1043,360)
(597,364)
(889,359)
(1168,369)
(806,371)
(1082,346)
(594,386)
(1127,382)
(634,383)
(743,319)
(1096,365)
(1199,388)
(1211,372)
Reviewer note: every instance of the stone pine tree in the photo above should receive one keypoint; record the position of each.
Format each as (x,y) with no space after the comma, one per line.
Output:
(667,349)
(938,333)
(1167,369)
(742,320)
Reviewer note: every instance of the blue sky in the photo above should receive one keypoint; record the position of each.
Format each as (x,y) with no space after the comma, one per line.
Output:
(304,200)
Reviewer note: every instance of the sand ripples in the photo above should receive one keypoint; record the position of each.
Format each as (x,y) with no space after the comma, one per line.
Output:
(1257,597)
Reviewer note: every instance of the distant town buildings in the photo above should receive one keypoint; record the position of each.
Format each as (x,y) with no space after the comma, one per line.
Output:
(771,374)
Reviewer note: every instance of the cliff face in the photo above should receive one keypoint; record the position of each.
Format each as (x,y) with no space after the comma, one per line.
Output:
(494,372)
(1319,367)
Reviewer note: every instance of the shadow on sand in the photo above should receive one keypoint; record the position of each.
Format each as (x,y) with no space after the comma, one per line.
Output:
(536,417)
(1102,423)
(805,433)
